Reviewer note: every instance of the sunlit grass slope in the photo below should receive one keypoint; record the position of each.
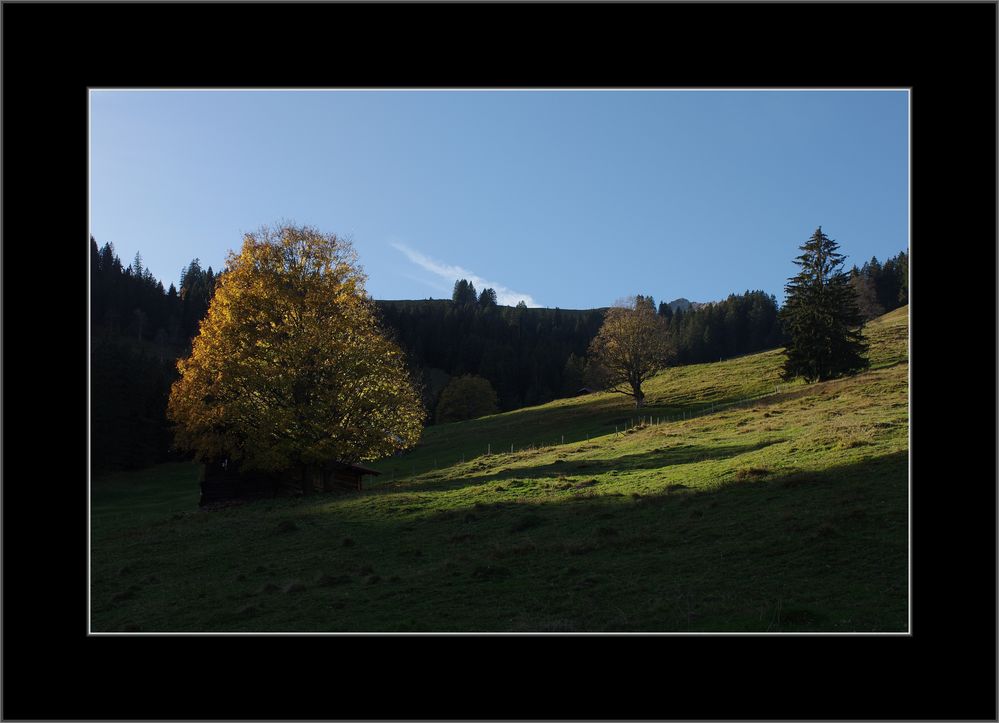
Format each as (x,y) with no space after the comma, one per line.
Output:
(784,513)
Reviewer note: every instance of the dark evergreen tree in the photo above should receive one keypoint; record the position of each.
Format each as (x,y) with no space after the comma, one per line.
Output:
(137,336)
(820,315)
(902,269)
(487,298)
(464,293)
(888,285)
(867,294)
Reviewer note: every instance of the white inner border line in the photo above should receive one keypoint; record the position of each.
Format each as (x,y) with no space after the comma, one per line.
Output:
(446,89)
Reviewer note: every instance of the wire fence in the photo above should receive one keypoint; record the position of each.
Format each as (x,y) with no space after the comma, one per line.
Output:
(621,426)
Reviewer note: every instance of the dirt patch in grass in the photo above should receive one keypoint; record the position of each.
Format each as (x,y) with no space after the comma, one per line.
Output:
(852,443)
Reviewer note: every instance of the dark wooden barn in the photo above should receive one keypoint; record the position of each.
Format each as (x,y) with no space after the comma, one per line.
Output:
(338,475)
(224,480)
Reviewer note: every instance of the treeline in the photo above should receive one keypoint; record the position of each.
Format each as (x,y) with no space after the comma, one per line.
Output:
(881,287)
(129,301)
(138,331)
(741,324)
(529,355)
(522,352)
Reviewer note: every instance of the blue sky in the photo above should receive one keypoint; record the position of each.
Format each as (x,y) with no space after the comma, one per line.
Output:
(561,198)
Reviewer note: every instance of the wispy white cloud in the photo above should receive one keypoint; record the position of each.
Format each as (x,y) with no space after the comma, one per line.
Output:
(432,284)
(504,295)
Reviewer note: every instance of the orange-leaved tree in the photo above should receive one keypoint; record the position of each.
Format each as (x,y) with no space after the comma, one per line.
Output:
(290,368)
(630,348)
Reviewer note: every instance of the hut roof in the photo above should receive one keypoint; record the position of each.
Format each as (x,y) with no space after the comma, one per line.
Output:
(359,468)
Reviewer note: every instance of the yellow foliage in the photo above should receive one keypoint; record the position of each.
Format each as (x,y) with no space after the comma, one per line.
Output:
(290,367)
(630,348)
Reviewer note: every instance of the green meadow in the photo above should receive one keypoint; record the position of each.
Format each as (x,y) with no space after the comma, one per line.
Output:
(732,502)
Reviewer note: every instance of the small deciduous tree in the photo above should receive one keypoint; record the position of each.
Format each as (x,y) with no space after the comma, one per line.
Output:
(820,315)
(466,397)
(631,347)
(290,368)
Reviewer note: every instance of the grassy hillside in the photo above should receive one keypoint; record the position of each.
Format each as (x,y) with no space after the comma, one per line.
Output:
(787,512)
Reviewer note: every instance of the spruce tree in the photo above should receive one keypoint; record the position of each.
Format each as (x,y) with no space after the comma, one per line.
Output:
(820,315)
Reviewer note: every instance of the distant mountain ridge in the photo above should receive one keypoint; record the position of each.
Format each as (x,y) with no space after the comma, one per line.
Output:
(686,304)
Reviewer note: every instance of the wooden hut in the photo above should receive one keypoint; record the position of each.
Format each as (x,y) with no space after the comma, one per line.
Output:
(339,475)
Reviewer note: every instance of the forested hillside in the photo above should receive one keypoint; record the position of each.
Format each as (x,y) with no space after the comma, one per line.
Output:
(531,356)
(528,355)
(138,330)
(881,287)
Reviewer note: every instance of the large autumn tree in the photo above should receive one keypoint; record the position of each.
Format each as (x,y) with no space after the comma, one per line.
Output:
(821,316)
(630,348)
(290,368)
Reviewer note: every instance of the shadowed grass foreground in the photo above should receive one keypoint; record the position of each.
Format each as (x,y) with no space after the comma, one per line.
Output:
(786,514)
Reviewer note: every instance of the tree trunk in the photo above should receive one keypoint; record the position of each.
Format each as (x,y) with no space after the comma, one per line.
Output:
(639,397)
(306,480)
